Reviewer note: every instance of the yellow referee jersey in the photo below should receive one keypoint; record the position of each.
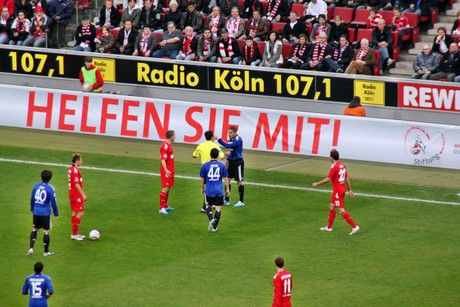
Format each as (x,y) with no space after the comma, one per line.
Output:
(204,151)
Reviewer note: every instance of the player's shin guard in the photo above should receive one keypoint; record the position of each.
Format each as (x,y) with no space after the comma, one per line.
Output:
(217,218)
(46,242)
(346,216)
(33,238)
(163,200)
(227,198)
(241,192)
(209,212)
(76,226)
(331,218)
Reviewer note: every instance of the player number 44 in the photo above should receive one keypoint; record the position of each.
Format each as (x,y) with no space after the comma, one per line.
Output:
(214,173)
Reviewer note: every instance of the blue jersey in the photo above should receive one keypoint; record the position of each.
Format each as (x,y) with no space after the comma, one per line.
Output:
(38,286)
(43,195)
(213,172)
(236,144)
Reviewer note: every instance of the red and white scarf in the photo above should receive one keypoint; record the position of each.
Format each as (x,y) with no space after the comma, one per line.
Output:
(320,30)
(232,27)
(86,31)
(187,44)
(254,26)
(38,31)
(206,46)
(318,55)
(375,21)
(336,52)
(215,22)
(229,48)
(125,40)
(274,9)
(299,50)
(361,53)
(249,52)
(144,43)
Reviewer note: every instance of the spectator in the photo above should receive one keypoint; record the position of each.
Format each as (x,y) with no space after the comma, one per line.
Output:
(373,4)
(42,3)
(426,63)
(273,51)
(400,24)
(215,22)
(355,108)
(277,11)
(257,27)
(146,43)
(382,40)
(131,13)
(338,28)
(313,10)
(60,12)
(391,4)
(373,19)
(192,18)
(226,7)
(171,43)
(426,5)
(250,53)
(442,41)
(363,59)
(414,7)
(84,36)
(6,20)
(20,29)
(189,45)
(354,4)
(456,26)
(449,67)
(104,41)
(206,6)
(317,54)
(299,53)
(322,26)
(38,29)
(139,4)
(25,6)
(10,5)
(207,47)
(125,40)
(293,29)
(228,51)
(150,16)
(250,6)
(164,5)
(174,15)
(235,24)
(340,56)
(109,15)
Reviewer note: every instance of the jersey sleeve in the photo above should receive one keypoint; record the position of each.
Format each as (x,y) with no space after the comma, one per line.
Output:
(25,287)
(196,153)
(50,285)
(32,200)
(331,172)
(163,152)
(278,293)
(224,171)
(52,195)
(203,171)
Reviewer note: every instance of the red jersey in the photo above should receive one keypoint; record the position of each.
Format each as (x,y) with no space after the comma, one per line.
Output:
(401,22)
(74,177)
(372,24)
(282,282)
(337,174)
(167,154)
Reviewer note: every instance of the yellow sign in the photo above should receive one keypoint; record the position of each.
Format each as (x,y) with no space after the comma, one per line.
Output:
(370,92)
(107,68)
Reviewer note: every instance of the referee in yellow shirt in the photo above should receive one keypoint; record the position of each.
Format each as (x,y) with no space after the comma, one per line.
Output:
(203,150)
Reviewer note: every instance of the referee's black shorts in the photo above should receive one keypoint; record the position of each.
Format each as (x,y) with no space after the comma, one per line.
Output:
(236,169)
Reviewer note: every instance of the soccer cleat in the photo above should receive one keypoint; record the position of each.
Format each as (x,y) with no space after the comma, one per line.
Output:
(214,229)
(76,237)
(325,229)
(170,208)
(46,254)
(226,203)
(354,230)
(239,204)
(30,252)
(163,211)
(202,210)
(211,224)
(81,236)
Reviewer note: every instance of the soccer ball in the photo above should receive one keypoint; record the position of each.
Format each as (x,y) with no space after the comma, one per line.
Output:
(94,235)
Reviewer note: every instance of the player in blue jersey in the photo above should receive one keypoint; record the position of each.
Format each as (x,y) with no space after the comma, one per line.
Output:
(235,163)
(212,173)
(38,286)
(42,199)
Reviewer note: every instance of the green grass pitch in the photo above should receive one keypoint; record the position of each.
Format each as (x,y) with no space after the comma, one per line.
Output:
(406,253)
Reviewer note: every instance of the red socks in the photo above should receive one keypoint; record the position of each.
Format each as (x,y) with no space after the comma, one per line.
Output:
(75,225)
(163,200)
(330,222)
(346,216)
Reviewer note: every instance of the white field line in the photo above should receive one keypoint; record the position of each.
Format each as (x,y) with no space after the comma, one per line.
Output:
(438,202)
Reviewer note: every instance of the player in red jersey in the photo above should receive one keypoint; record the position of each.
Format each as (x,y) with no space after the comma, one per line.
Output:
(282,282)
(76,195)
(339,177)
(166,171)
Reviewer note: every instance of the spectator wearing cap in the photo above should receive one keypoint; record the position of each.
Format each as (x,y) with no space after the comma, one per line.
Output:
(38,29)
(109,15)
(131,13)
(227,49)
(192,18)
(171,43)
(6,20)
(43,3)
(84,36)
(355,108)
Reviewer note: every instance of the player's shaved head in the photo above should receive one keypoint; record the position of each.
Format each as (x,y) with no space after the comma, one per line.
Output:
(279,262)
(46,176)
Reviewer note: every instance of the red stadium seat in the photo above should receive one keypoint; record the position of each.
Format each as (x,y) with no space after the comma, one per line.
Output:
(387,16)
(98,31)
(159,36)
(329,13)
(345,13)
(433,18)
(415,31)
(261,46)
(377,61)
(115,33)
(82,5)
(241,43)
(298,8)
(264,6)
(360,20)
(278,26)
(351,34)
(287,49)
(364,33)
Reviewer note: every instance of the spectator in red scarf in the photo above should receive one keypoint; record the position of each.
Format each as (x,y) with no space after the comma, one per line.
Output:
(207,47)
(145,43)
(104,41)
(251,53)
(20,29)
(6,20)
(363,59)
(189,45)
(38,29)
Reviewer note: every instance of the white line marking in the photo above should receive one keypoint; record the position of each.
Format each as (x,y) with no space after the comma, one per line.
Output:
(284,165)
(248,183)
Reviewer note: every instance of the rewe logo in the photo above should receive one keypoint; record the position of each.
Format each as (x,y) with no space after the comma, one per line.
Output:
(423,148)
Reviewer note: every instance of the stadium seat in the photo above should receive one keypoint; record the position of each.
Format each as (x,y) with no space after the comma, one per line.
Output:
(241,5)
(329,13)
(264,7)
(351,34)
(287,49)
(360,20)
(415,31)
(298,8)
(433,18)
(261,46)
(159,36)
(82,5)
(278,26)
(387,16)
(115,33)
(364,33)
(98,31)
(396,49)
(377,67)
(345,13)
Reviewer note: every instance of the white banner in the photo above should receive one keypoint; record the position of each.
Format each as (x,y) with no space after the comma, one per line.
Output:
(261,129)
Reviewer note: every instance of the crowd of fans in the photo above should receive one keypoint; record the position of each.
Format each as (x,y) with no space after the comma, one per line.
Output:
(253,32)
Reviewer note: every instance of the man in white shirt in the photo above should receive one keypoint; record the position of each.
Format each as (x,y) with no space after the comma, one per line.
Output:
(314,8)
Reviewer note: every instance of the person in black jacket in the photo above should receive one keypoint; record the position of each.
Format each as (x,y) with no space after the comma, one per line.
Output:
(192,18)
(278,10)
(174,15)
(340,56)
(114,17)
(293,29)
(338,28)
(227,49)
(250,6)
(299,53)
(126,39)
(442,41)
(150,16)
(84,36)
(250,53)
(6,20)
(382,40)
(450,65)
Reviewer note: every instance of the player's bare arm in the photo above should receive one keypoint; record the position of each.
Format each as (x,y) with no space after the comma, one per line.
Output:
(167,171)
(350,192)
(80,190)
(227,186)
(325,180)
(202,186)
